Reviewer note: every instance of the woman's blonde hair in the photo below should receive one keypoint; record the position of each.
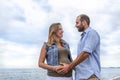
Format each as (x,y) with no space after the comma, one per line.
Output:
(52,33)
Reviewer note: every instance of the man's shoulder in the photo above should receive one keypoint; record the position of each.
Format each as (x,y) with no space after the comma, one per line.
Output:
(93,31)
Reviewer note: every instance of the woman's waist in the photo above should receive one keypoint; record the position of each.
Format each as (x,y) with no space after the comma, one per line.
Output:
(55,74)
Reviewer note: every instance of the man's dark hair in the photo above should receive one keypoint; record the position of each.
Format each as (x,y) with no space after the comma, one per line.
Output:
(85,17)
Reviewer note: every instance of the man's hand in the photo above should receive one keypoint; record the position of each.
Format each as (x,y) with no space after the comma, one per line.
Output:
(64,70)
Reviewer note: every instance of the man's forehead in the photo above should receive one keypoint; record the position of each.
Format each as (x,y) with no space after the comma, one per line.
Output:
(78,19)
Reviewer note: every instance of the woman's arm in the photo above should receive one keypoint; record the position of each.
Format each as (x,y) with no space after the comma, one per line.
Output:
(41,61)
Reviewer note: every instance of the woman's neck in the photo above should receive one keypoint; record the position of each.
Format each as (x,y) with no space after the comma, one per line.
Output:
(57,40)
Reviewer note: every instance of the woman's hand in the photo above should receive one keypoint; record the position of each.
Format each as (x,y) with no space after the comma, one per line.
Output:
(57,68)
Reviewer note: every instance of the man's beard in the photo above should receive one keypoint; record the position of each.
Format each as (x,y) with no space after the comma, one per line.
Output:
(81,28)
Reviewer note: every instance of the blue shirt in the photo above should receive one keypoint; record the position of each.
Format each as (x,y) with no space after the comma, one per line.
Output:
(89,42)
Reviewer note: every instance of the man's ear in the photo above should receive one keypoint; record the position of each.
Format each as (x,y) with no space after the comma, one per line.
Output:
(84,22)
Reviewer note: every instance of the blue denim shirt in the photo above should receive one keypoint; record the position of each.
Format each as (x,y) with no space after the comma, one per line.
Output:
(52,54)
(89,42)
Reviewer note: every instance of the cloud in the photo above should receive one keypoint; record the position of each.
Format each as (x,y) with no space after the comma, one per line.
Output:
(25,23)
(111,59)
(18,55)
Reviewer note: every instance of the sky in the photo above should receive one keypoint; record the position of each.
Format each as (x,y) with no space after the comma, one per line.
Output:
(24,28)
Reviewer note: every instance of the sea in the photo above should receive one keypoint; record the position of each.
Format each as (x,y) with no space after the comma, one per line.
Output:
(40,74)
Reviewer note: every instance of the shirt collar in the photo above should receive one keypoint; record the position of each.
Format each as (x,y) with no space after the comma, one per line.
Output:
(86,31)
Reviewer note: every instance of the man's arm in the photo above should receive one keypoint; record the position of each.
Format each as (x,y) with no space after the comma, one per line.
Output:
(80,58)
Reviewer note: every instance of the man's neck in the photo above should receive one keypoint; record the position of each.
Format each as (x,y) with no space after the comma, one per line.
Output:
(86,27)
